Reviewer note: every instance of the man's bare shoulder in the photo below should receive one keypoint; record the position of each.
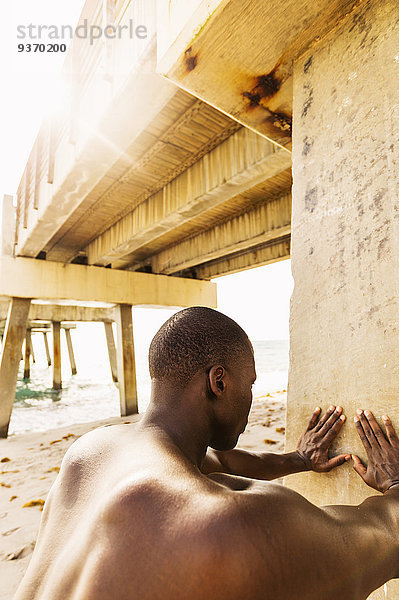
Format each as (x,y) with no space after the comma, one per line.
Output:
(262,508)
(187,504)
(255,490)
(170,542)
(94,447)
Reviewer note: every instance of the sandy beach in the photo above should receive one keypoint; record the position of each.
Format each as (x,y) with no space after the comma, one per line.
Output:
(29,464)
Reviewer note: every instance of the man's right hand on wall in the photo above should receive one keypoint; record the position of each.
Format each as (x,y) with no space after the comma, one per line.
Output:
(382,471)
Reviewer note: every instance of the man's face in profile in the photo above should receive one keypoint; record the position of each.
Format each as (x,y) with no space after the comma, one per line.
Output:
(236,404)
(244,378)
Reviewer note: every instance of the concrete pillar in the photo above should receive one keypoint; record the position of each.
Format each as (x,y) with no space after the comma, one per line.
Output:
(57,383)
(109,334)
(70,351)
(10,357)
(125,359)
(345,238)
(32,352)
(47,348)
(28,347)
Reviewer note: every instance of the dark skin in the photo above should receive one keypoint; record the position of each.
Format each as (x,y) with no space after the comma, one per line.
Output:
(135,512)
(312,453)
(382,471)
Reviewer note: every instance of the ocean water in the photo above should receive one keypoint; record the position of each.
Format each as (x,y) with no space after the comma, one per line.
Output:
(91,395)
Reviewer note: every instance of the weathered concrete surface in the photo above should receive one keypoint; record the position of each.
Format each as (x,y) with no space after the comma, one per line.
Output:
(10,358)
(241,162)
(238,54)
(70,351)
(28,348)
(47,349)
(57,381)
(345,242)
(109,335)
(28,277)
(126,361)
(62,312)
(246,259)
(264,224)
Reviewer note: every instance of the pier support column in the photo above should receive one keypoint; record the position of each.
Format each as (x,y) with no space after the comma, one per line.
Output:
(109,334)
(125,359)
(344,320)
(32,352)
(57,383)
(28,348)
(47,349)
(10,358)
(70,351)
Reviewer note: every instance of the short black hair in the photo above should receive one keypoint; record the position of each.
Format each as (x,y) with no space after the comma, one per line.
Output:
(193,339)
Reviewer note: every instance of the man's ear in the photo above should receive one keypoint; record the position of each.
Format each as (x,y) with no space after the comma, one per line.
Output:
(217,380)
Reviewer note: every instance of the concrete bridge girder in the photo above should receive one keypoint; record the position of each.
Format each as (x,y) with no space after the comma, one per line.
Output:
(261,226)
(60,312)
(246,259)
(28,277)
(239,163)
(261,40)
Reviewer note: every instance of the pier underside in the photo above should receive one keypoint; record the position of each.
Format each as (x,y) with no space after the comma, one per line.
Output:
(158,172)
(183,172)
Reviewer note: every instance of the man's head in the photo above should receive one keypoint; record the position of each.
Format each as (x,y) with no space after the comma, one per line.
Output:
(203,348)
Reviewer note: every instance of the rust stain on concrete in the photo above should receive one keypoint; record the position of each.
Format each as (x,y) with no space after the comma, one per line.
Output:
(266,86)
(281,121)
(264,89)
(190,59)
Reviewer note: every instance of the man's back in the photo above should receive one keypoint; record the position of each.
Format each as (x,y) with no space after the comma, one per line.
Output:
(129,514)
(131,517)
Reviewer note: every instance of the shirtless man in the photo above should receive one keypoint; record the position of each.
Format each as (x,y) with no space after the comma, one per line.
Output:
(146,512)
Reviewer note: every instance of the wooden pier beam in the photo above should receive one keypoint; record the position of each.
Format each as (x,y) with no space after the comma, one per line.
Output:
(28,347)
(125,360)
(57,382)
(47,348)
(70,351)
(10,357)
(109,334)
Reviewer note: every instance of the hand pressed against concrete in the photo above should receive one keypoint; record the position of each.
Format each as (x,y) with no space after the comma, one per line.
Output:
(311,453)
(382,471)
(314,444)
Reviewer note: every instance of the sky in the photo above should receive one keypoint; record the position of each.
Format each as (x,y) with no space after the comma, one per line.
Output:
(33,83)
(258,299)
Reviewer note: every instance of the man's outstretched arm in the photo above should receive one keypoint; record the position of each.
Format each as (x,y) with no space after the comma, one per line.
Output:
(311,453)
(375,522)
(343,552)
